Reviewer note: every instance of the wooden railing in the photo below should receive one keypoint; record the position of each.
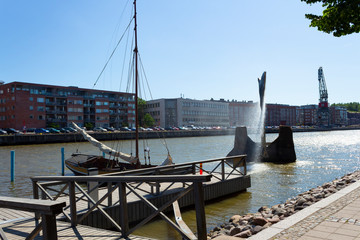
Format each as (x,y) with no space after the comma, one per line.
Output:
(47,209)
(139,182)
(122,184)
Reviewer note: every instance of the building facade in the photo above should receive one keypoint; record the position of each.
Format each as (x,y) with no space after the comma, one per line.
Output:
(338,116)
(29,105)
(243,113)
(279,114)
(185,112)
(306,115)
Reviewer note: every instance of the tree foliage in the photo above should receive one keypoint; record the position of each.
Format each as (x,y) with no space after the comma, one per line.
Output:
(351,107)
(340,17)
(141,108)
(148,120)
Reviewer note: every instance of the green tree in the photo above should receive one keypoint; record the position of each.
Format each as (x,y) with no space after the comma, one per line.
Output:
(89,126)
(340,17)
(148,120)
(351,107)
(54,125)
(141,109)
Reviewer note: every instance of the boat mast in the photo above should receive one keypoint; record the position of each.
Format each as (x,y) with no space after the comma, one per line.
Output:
(136,86)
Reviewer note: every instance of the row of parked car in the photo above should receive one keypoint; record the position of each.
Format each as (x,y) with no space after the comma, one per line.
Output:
(98,129)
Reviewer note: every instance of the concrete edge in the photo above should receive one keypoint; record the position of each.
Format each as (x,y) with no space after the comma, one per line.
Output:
(301,215)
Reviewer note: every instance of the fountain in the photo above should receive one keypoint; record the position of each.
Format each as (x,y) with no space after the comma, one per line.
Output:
(281,150)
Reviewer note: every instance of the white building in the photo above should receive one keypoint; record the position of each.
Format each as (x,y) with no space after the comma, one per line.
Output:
(184,112)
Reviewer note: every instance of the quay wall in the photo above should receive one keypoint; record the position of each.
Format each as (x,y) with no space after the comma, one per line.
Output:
(24,139)
(76,137)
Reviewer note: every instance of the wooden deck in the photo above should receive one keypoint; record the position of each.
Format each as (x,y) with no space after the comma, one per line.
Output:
(19,224)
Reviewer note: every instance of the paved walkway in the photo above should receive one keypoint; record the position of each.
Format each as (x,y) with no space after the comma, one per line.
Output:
(335,217)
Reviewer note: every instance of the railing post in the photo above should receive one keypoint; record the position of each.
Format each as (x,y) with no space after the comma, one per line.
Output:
(62,161)
(12,166)
(245,168)
(36,196)
(124,221)
(200,210)
(72,203)
(193,168)
(94,194)
(109,187)
(223,169)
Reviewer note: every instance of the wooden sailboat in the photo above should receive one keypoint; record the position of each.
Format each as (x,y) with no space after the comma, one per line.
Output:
(80,163)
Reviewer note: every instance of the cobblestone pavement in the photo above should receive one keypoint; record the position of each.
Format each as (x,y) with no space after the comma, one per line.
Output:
(339,220)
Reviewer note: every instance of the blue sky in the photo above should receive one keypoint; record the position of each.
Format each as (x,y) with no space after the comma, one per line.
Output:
(202,49)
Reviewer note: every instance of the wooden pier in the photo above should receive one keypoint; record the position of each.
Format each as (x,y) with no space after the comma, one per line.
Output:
(115,200)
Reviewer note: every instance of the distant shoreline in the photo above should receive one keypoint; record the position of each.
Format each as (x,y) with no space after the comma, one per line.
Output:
(27,139)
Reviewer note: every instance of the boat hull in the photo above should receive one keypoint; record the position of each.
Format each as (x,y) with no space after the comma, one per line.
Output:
(80,163)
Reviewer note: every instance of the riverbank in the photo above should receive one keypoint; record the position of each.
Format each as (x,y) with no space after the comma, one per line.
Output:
(250,224)
(25,139)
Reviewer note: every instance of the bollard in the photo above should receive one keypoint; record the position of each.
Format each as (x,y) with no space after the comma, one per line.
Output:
(103,155)
(201,170)
(62,161)
(12,171)
(95,193)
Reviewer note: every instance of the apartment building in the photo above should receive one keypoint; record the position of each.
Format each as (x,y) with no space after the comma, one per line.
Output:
(306,115)
(30,105)
(280,114)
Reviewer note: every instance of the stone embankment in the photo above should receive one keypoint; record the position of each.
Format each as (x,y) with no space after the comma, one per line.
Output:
(252,223)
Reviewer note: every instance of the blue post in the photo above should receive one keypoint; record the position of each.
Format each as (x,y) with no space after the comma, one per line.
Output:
(103,155)
(62,161)
(12,171)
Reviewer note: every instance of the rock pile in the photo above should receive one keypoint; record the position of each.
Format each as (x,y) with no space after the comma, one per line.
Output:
(252,223)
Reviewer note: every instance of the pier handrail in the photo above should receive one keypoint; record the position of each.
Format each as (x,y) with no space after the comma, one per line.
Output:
(48,210)
(122,184)
(226,161)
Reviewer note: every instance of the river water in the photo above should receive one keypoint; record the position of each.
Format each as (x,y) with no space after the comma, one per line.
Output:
(321,157)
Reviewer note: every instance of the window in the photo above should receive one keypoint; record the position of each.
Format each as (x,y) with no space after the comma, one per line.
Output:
(31,107)
(40,108)
(31,99)
(40,117)
(40,100)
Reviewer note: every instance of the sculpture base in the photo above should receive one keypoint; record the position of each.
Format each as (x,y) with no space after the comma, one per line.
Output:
(281,150)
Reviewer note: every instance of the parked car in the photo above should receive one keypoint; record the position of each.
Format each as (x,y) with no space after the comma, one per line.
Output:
(63,130)
(3,131)
(110,129)
(99,129)
(12,131)
(41,130)
(70,129)
(53,130)
(125,129)
(30,130)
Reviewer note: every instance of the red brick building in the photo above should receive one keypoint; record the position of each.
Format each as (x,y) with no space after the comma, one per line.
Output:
(36,105)
(279,114)
(307,115)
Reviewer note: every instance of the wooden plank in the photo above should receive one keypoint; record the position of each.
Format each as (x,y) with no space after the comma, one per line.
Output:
(19,230)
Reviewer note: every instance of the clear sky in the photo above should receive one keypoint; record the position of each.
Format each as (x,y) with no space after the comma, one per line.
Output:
(199,48)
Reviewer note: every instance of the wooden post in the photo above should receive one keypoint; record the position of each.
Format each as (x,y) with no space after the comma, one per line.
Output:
(12,163)
(200,210)
(109,187)
(62,161)
(223,169)
(124,221)
(36,196)
(94,194)
(72,204)
(49,226)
